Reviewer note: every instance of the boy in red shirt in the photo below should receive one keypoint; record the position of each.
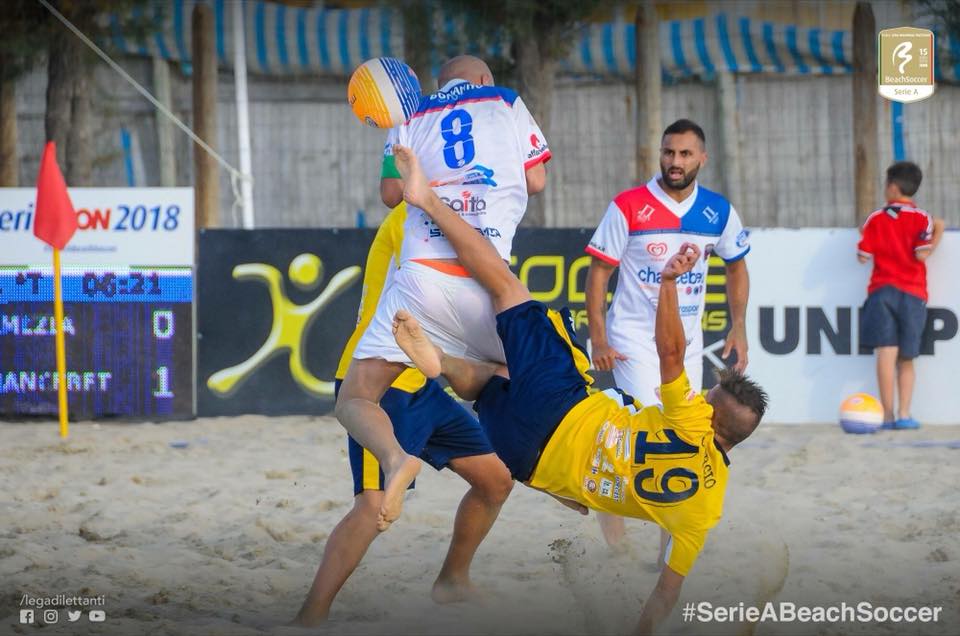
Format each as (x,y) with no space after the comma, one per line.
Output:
(899,237)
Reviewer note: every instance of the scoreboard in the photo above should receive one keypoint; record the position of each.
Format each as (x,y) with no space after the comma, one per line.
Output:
(128,291)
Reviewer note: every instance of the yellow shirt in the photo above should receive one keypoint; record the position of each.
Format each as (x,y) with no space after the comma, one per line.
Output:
(659,464)
(382,259)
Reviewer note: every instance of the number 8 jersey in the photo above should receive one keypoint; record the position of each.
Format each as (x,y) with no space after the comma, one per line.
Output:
(475,144)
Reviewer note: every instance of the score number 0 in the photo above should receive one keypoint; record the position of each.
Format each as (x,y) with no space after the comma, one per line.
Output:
(163,329)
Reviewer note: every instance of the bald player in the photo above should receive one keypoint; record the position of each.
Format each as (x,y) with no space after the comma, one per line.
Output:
(483,154)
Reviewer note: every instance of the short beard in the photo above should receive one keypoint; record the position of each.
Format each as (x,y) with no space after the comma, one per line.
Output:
(681,184)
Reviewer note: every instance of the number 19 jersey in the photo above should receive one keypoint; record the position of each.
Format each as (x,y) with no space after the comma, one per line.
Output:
(659,463)
(475,144)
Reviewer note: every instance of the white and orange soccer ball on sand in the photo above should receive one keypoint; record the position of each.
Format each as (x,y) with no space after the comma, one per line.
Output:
(383,92)
(861,413)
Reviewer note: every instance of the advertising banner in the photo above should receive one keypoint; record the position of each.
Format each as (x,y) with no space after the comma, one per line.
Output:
(128,306)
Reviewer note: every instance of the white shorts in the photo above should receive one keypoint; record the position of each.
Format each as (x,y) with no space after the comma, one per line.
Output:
(455,311)
(640,375)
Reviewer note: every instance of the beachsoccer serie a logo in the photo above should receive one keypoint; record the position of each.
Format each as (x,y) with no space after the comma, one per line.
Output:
(905,64)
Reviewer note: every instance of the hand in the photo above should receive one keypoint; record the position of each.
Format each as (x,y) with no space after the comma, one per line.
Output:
(604,356)
(681,262)
(737,341)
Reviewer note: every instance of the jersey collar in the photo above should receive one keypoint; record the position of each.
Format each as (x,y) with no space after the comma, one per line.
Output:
(678,209)
(906,201)
(454,82)
(726,460)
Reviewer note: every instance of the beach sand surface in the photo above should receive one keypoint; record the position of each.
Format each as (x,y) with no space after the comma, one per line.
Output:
(216,526)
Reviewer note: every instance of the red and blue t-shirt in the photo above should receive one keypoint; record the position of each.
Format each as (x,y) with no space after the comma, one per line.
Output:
(892,236)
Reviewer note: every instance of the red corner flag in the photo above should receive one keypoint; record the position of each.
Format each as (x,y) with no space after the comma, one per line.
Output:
(55,220)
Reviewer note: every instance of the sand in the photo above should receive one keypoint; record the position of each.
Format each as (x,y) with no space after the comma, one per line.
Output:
(216,526)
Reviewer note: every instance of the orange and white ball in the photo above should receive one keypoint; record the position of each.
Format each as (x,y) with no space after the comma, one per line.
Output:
(383,92)
(861,413)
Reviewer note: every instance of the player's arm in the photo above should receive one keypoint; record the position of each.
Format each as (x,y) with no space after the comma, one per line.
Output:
(936,235)
(738,291)
(536,178)
(661,602)
(598,281)
(391,184)
(671,340)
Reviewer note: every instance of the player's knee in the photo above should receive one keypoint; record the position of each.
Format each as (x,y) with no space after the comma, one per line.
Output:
(497,486)
(367,503)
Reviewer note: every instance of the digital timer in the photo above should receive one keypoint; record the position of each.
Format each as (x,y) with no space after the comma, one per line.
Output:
(128,335)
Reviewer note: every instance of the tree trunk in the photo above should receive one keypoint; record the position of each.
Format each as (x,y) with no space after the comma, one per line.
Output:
(67,121)
(535,78)
(62,67)
(9,162)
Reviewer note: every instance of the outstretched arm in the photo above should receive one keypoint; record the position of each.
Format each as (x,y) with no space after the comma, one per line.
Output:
(598,280)
(661,602)
(671,340)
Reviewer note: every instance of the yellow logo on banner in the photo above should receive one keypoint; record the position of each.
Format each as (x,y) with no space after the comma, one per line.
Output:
(905,64)
(290,321)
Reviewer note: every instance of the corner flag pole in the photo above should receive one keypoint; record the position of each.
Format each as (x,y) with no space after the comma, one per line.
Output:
(55,222)
(60,345)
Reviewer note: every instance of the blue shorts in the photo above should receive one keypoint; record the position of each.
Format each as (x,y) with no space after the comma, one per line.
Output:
(429,424)
(893,318)
(520,414)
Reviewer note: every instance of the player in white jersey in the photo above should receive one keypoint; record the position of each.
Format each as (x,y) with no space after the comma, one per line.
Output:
(484,154)
(642,227)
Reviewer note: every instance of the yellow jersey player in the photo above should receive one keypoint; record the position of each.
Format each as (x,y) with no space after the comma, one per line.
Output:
(428,423)
(665,464)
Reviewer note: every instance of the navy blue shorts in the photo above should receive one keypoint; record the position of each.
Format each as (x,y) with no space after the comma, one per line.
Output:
(893,318)
(429,424)
(520,414)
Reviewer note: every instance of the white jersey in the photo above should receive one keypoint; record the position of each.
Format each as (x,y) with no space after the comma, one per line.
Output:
(475,144)
(640,231)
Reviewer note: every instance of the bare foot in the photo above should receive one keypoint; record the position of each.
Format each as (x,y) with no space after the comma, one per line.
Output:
(447,591)
(613,528)
(395,487)
(416,189)
(416,344)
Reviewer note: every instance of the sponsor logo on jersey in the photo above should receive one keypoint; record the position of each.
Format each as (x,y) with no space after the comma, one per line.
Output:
(474,175)
(590,484)
(743,238)
(711,215)
(606,488)
(489,232)
(657,250)
(539,147)
(643,214)
(689,310)
(466,204)
(650,276)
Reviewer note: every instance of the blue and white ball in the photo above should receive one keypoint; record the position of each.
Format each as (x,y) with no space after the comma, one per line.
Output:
(861,413)
(383,92)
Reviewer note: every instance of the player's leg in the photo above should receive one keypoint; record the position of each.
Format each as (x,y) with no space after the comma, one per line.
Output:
(359,411)
(906,378)
(912,319)
(886,370)
(466,377)
(341,555)
(474,252)
(490,485)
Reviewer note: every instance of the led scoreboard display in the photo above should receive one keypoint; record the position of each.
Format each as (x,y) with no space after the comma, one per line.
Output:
(128,292)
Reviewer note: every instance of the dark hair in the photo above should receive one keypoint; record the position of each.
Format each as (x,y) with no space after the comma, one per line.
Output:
(746,393)
(685,125)
(906,175)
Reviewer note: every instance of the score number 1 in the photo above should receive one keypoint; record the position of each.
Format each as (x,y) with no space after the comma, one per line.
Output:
(163,329)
